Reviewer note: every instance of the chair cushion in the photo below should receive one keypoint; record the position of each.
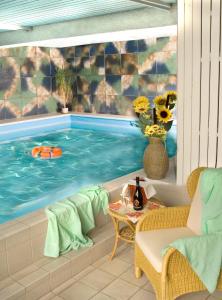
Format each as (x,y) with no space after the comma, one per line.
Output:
(152,243)
(194,218)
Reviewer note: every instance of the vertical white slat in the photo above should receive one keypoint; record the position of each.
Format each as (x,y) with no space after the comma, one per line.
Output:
(195,147)
(180,89)
(205,82)
(214,82)
(219,147)
(188,88)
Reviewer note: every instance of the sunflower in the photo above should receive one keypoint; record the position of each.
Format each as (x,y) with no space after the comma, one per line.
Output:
(141,104)
(161,131)
(140,100)
(164,114)
(147,130)
(172,96)
(154,131)
(160,101)
(155,127)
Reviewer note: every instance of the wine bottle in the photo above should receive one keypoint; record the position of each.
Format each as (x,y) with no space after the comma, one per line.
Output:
(138,196)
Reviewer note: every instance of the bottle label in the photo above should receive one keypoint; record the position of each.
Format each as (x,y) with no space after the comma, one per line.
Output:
(136,203)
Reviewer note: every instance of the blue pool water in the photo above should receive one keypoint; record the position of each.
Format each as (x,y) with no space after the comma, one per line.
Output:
(89,157)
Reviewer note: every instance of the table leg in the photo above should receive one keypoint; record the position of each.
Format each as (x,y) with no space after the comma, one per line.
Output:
(138,272)
(116,226)
(114,247)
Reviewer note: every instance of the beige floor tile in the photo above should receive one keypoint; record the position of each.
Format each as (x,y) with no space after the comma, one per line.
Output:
(38,289)
(16,235)
(25,272)
(49,296)
(64,286)
(115,267)
(98,279)
(143,295)
(99,250)
(2,244)
(19,257)
(126,254)
(38,244)
(110,243)
(130,277)
(60,271)
(77,253)
(101,261)
(78,291)
(38,224)
(33,278)
(84,273)
(55,264)
(6,282)
(12,292)
(216,295)
(43,261)
(194,296)
(80,260)
(120,290)
(24,219)
(103,233)
(60,275)
(6,225)
(3,265)
(148,287)
(122,246)
(101,219)
(101,296)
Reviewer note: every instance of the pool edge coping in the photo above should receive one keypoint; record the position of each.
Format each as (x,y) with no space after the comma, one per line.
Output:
(39,117)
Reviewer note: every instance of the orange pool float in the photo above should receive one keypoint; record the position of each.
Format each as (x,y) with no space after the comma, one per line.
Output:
(46,152)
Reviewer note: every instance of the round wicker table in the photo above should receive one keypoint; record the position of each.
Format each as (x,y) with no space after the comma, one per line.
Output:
(125,227)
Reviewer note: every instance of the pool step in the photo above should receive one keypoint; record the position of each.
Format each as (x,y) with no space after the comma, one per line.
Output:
(46,274)
(27,235)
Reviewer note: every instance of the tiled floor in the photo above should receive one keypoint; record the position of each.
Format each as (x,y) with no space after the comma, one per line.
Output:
(105,280)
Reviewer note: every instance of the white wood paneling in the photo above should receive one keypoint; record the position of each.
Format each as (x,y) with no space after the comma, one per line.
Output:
(196,48)
(205,81)
(219,148)
(199,85)
(214,83)
(180,89)
(188,79)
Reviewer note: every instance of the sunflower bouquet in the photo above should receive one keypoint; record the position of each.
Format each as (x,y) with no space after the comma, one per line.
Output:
(156,121)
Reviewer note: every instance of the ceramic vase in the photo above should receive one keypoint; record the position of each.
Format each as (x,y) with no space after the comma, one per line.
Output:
(156,161)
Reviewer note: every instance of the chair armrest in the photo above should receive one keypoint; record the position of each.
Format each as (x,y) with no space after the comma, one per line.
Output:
(175,263)
(168,217)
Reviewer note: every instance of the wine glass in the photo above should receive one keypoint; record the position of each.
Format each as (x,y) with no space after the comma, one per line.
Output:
(125,200)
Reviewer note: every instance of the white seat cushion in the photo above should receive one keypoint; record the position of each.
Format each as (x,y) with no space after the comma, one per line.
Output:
(152,242)
(194,218)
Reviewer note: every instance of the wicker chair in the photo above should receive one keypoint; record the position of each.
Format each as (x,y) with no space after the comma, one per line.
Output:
(177,277)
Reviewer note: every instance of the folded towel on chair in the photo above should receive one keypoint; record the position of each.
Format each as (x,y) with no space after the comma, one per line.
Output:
(204,252)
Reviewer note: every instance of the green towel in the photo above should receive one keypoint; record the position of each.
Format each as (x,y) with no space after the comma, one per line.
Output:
(204,252)
(211,195)
(71,219)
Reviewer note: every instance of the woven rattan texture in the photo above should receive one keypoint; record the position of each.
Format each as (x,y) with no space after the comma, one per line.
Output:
(177,277)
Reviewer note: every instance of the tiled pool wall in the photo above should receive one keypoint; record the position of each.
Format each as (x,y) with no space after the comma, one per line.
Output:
(40,126)
(106,76)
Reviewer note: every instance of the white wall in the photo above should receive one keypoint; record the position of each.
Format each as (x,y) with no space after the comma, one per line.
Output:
(199,86)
